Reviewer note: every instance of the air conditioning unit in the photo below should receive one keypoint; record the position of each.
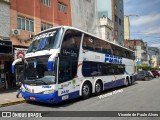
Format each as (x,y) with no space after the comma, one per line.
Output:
(31,35)
(15,32)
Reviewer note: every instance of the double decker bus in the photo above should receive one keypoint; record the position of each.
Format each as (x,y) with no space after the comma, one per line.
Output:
(63,63)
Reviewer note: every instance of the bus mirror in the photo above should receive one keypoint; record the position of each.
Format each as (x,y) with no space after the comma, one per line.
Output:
(59,55)
(13,69)
(50,65)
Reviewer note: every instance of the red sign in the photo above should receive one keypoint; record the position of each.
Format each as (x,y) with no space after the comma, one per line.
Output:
(19,53)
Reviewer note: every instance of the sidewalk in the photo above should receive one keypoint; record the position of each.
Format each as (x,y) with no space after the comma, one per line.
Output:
(8,97)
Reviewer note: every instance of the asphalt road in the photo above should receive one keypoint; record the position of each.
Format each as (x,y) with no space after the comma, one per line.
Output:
(142,96)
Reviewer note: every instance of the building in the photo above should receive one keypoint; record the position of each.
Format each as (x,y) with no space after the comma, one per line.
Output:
(4,19)
(20,20)
(29,17)
(140,48)
(126,28)
(113,10)
(5,43)
(83,14)
(106,28)
(155,53)
(119,20)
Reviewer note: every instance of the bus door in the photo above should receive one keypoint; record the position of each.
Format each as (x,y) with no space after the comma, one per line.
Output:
(67,72)
(68,62)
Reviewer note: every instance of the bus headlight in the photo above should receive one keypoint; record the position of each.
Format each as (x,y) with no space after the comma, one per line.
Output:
(48,91)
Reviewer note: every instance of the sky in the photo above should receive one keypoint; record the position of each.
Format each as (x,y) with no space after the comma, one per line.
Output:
(146,25)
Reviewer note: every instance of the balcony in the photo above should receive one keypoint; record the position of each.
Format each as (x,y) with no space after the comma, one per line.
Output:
(105,21)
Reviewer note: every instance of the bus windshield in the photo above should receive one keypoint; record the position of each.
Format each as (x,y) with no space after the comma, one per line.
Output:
(46,41)
(36,71)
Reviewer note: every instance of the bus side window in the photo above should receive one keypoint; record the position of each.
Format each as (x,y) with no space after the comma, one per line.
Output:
(88,43)
(72,39)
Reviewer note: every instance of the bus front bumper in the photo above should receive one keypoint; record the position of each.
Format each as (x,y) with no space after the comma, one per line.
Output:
(45,98)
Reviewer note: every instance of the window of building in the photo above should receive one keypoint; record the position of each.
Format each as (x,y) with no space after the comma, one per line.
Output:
(116,18)
(62,7)
(24,23)
(46,2)
(120,22)
(108,35)
(45,26)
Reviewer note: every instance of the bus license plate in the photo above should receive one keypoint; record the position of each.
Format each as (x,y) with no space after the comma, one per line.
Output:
(65,97)
(32,98)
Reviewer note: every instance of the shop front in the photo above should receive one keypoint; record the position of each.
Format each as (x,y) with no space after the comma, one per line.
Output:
(19,53)
(6,58)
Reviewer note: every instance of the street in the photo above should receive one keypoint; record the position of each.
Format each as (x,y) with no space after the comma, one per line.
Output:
(142,96)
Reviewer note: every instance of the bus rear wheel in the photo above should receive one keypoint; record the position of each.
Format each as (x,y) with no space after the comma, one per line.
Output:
(127,82)
(86,90)
(98,88)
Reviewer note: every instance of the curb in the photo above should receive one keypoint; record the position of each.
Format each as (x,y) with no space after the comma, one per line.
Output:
(12,103)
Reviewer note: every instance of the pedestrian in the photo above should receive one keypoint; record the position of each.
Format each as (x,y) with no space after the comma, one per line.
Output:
(20,80)
(19,92)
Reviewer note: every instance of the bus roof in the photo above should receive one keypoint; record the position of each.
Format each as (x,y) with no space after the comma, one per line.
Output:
(70,27)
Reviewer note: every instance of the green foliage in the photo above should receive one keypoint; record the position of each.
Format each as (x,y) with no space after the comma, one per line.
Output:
(146,68)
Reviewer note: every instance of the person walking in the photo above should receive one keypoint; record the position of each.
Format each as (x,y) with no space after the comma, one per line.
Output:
(19,92)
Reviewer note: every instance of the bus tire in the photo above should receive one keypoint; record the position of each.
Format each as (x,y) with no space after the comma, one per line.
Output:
(131,80)
(98,87)
(127,82)
(86,90)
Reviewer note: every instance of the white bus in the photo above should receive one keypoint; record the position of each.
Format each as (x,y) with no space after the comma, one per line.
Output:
(64,63)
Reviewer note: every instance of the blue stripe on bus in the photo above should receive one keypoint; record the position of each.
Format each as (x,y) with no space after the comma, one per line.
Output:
(116,83)
(49,98)
(54,98)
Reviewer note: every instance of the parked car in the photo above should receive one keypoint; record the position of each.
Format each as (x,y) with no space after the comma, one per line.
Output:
(144,75)
(151,74)
(156,74)
(158,71)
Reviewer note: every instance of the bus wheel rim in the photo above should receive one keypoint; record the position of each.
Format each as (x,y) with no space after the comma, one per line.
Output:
(86,90)
(98,87)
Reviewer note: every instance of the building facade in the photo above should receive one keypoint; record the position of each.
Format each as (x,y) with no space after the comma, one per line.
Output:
(155,53)
(5,43)
(118,20)
(140,48)
(83,14)
(126,28)
(113,10)
(20,20)
(106,28)
(4,19)
(29,17)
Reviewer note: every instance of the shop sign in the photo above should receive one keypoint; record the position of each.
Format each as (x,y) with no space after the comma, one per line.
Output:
(19,53)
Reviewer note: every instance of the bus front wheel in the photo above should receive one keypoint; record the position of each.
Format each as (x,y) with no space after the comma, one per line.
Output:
(86,90)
